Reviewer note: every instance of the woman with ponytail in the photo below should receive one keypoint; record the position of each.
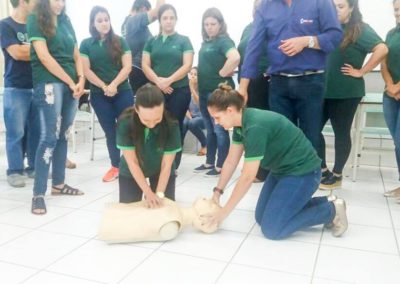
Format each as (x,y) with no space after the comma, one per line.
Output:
(107,63)
(271,141)
(149,140)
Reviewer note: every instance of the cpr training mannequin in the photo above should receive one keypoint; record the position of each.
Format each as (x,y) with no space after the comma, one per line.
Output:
(134,222)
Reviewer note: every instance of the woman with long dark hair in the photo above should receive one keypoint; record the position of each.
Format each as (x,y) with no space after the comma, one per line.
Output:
(345,84)
(149,140)
(107,60)
(167,59)
(391,75)
(218,58)
(58,82)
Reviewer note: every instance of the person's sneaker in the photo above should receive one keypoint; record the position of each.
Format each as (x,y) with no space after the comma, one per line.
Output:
(213,173)
(16,180)
(326,174)
(330,183)
(340,223)
(29,173)
(393,193)
(111,175)
(203,168)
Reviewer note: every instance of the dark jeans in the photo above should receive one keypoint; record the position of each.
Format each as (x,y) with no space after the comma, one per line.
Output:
(300,99)
(137,79)
(177,104)
(258,92)
(286,205)
(129,190)
(341,114)
(217,136)
(21,119)
(108,109)
(196,126)
(57,110)
(391,111)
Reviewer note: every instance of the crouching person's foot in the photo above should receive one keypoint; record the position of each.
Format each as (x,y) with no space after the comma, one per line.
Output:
(340,223)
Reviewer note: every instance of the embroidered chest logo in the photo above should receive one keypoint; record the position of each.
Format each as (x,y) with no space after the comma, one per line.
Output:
(306,21)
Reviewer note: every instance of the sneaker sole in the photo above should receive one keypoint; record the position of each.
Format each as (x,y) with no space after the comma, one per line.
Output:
(212,176)
(110,180)
(330,187)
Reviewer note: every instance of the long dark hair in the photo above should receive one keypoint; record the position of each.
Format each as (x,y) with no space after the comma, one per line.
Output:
(224,97)
(162,10)
(354,26)
(45,19)
(216,14)
(148,96)
(112,41)
(138,4)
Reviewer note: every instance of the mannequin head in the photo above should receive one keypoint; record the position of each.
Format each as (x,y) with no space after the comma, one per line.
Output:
(204,206)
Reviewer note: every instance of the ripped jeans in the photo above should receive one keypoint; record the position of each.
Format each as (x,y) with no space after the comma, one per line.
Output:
(57,110)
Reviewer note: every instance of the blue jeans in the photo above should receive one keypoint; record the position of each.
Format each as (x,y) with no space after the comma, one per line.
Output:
(217,136)
(108,109)
(57,110)
(22,129)
(391,111)
(177,104)
(196,126)
(300,99)
(286,205)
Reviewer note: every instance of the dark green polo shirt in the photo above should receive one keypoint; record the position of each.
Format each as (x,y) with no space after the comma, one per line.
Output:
(61,47)
(275,141)
(212,58)
(393,58)
(152,154)
(166,54)
(244,40)
(102,63)
(340,86)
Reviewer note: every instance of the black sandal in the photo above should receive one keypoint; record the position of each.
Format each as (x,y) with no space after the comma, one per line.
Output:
(38,204)
(66,190)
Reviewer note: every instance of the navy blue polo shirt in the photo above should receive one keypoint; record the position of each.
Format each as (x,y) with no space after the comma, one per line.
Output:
(17,74)
(276,21)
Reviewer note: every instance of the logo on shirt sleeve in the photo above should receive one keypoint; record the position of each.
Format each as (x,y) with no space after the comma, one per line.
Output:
(306,21)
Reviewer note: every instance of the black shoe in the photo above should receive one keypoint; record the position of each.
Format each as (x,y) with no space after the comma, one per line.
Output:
(332,182)
(326,174)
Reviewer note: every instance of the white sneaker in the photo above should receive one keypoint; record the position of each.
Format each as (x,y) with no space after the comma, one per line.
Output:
(16,180)
(340,223)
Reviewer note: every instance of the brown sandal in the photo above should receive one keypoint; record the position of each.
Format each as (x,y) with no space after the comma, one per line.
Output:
(66,190)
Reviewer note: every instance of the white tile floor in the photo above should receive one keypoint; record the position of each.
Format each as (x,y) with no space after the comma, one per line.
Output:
(61,247)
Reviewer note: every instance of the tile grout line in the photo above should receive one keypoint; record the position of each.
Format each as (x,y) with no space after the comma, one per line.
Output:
(317,255)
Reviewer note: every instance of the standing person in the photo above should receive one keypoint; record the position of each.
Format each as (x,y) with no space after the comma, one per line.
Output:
(193,120)
(218,59)
(345,85)
(269,139)
(390,69)
(149,140)
(58,83)
(299,34)
(167,59)
(107,63)
(20,114)
(136,32)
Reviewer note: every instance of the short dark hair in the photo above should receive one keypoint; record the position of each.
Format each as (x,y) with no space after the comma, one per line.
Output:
(138,4)
(224,97)
(216,14)
(15,3)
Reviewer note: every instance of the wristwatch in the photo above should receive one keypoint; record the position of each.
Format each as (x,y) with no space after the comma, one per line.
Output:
(160,194)
(311,42)
(219,190)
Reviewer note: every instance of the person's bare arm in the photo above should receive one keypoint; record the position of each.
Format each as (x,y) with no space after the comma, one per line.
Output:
(19,52)
(231,63)
(153,13)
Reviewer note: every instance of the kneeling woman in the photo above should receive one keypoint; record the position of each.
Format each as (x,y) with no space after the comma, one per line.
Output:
(149,140)
(271,141)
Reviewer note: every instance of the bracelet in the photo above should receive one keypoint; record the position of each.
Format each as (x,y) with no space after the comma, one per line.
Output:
(219,190)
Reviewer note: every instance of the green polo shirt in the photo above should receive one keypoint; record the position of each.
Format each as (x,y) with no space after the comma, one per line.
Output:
(340,86)
(166,54)
(393,58)
(61,47)
(102,63)
(244,40)
(212,58)
(152,154)
(272,139)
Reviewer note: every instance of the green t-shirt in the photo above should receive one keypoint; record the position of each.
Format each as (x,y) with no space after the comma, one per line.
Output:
(166,54)
(393,58)
(244,40)
(212,58)
(152,155)
(61,47)
(271,138)
(340,86)
(102,63)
